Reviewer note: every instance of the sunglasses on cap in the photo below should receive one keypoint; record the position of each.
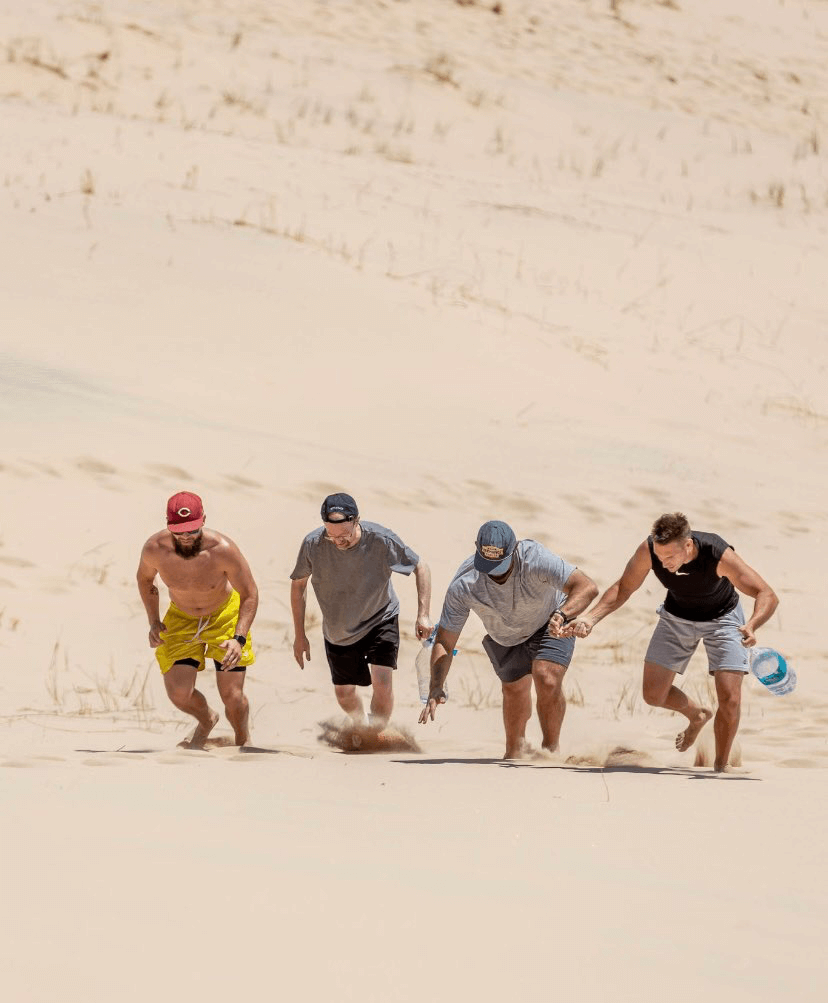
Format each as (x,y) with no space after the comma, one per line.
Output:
(336,522)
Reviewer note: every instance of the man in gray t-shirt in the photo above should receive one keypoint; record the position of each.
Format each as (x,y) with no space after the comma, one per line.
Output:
(525,595)
(350,563)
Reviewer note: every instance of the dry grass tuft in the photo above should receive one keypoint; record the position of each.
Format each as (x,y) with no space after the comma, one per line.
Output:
(119,697)
(474,694)
(443,68)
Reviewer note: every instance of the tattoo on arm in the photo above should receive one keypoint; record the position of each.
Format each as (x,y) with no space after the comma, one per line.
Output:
(153,590)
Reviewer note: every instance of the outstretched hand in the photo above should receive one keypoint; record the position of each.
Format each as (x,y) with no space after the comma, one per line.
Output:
(578,628)
(435,697)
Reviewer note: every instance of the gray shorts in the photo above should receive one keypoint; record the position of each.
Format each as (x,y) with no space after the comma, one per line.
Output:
(515,662)
(674,641)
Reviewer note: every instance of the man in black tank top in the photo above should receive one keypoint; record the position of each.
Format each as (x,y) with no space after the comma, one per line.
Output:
(701,573)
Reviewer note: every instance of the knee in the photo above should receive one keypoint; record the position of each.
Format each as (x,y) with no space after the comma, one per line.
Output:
(549,688)
(180,696)
(517,696)
(653,695)
(234,701)
(730,704)
(548,678)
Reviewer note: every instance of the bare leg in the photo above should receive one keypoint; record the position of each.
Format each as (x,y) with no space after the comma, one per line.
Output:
(231,690)
(351,702)
(517,709)
(180,686)
(726,722)
(382,702)
(548,677)
(659,691)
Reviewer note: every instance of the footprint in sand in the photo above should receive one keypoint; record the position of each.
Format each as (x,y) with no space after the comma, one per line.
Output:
(111,758)
(35,761)
(182,758)
(169,471)
(220,742)
(255,753)
(16,562)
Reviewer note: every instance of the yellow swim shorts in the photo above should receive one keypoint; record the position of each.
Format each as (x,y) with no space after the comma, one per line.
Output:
(199,637)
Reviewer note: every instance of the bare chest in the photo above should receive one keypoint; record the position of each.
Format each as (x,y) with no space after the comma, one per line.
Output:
(200,574)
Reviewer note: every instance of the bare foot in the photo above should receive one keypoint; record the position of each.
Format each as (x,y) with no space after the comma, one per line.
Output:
(523,750)
(732,770)
(685,738)
(199,736)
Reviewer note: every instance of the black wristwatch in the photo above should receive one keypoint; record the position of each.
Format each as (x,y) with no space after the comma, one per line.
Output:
(566,619)
(241,638)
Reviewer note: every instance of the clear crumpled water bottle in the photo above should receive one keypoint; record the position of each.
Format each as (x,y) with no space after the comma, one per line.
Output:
(772,671)
(422,663)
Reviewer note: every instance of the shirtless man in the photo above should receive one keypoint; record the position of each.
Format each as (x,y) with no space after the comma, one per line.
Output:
(213,601)
(702,573)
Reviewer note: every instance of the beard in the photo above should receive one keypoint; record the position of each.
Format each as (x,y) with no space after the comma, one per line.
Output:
(190,549)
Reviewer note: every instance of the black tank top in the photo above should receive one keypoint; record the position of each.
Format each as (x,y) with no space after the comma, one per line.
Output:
(696,592)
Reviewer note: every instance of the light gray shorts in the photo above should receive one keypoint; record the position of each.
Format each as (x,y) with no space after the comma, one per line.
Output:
(674,641)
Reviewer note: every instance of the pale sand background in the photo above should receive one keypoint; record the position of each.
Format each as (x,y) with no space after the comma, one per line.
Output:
(563,265)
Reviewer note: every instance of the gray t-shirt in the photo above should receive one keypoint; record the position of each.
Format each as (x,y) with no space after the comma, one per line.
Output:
(353,587)
(511,612)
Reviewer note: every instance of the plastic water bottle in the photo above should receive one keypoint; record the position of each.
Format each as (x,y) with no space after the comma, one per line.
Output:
(422,663)
(772,671)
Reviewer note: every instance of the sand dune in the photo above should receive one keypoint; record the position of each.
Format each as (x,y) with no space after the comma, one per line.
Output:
(559,263)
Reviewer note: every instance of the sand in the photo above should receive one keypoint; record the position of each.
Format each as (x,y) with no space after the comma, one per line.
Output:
(561,264)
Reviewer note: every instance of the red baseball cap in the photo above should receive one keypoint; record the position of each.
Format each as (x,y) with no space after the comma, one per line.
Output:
(185,513)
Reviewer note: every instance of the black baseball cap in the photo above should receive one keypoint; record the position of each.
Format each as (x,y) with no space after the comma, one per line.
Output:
(493,549)
(339,503)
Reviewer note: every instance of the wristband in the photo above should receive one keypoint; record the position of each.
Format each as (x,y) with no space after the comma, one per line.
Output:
(241,638)
(565,619)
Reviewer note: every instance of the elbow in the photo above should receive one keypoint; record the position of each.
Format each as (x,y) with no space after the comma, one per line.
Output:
(586,589)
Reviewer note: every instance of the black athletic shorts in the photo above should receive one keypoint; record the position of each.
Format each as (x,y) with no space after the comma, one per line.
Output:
(350,662)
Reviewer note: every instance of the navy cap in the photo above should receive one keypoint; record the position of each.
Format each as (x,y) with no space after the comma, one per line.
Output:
(341,504)
(495,544)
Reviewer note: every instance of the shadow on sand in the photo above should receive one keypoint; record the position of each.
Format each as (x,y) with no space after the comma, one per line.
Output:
(690,773)
(257,750)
